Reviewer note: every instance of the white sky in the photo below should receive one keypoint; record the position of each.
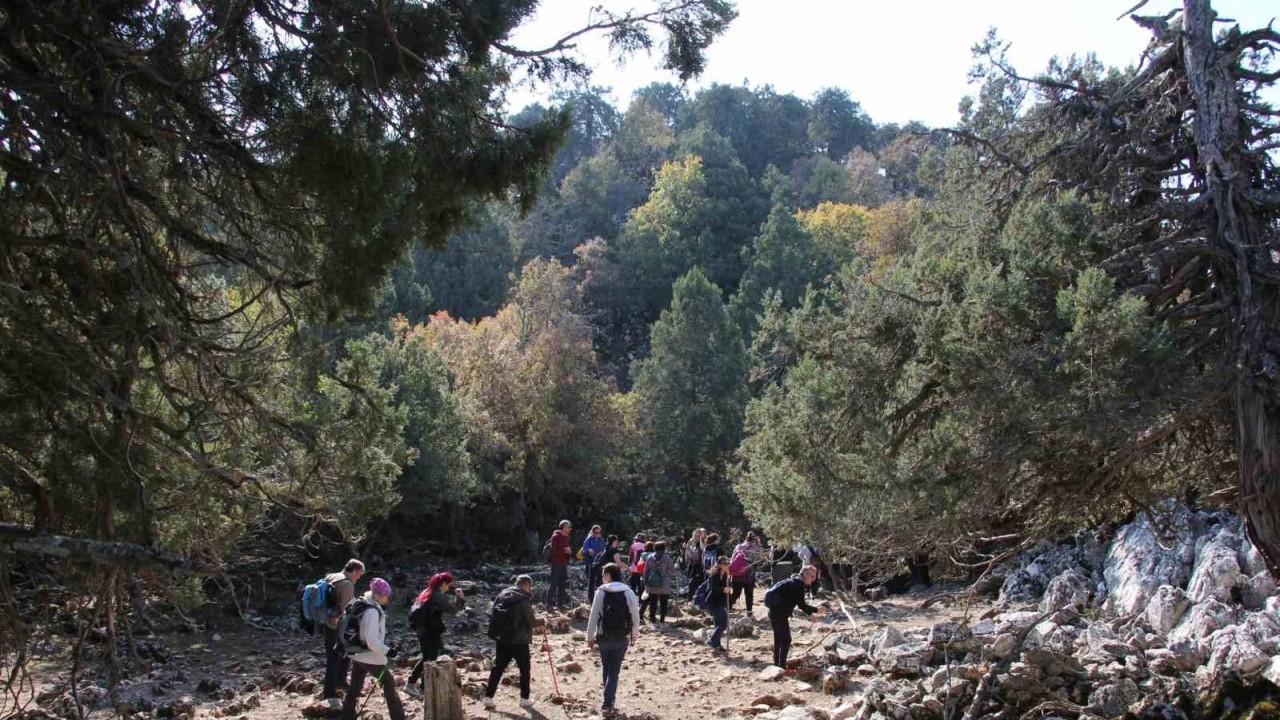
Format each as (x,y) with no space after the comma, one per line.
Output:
(902,60)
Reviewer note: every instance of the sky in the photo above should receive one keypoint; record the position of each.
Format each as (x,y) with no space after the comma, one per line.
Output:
(902,60)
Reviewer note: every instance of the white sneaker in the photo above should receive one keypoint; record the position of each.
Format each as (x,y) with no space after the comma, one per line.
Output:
(489,704)
(526,703)
(334,703)
(412,690)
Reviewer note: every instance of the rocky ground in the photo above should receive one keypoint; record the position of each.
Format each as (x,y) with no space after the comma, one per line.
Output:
(1156,619)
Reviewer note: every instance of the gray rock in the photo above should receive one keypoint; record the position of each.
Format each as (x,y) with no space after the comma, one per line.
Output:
(1140,559)
(1217,570)
(1113,699)
(1070,589)
(1255,590)
(885,639)
(1231,649)
(1203,620)
(1166,608)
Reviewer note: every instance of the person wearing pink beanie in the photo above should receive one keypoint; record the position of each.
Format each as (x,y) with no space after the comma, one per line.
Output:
(372,660)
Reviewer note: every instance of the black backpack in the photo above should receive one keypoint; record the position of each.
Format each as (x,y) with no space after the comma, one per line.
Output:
(773,596)
(615,617)
(421,614)
(349,639)
(504,618)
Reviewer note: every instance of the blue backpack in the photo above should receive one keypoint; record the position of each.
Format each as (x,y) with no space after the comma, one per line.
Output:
(700,595)
(318,599)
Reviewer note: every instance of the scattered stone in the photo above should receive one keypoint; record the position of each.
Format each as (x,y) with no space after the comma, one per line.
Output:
(1113,699)
(1070,589)
(773,672)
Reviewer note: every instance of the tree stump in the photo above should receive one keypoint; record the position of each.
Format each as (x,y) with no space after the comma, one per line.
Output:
(441,691)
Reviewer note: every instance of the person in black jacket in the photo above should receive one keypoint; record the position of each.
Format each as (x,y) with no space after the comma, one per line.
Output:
(514,646)
(427,619)
(783,599)
(718,601)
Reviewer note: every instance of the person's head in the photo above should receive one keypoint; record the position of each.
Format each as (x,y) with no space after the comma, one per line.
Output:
(648,546)
(722,564)
(596,530)
(440,582)
(566,526)
(808,574)
(751,538)
(381,591)
(611,573)
(354,570)
(712,539)
(639,537)
(660,546)
(613,541)
(525,584)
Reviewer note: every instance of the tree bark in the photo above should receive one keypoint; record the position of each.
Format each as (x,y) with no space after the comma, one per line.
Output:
(1227,174)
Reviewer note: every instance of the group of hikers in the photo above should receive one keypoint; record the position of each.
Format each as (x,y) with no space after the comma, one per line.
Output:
(623,582)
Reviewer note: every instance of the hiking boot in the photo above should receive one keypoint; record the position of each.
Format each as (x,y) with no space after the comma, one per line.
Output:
(333,704)
(489,704)
(526,703)
(412,690)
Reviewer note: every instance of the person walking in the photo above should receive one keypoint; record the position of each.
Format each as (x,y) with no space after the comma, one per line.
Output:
(659,578)
(426,618)
(511,627)
(611,553)
(633,567)
(372,660)
(782,600)
(591,549)
(637,576)
(561,554)
(710,553)
(742,571)
(718,601)
(611,626)
(692,557)
(336,664)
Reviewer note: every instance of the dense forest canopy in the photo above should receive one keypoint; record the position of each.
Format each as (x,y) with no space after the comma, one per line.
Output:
(290,258)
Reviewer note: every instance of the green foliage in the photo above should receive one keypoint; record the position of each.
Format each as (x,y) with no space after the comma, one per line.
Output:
(690,394)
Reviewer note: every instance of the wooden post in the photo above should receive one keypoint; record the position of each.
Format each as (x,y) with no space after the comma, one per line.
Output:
(441,691)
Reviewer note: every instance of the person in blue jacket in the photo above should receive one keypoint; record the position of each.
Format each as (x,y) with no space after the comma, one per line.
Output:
(590,552)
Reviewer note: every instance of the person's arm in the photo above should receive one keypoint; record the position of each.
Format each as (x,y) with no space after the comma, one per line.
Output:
(633,603)
(806,607)
(593,619)
(370,628)
(447,602)
(346,591)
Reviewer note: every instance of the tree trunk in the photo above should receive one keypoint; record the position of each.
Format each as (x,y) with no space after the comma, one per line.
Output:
(441,691)
(1227,174)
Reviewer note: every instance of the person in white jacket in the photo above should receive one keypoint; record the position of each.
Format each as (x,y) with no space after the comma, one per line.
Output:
(373,660)
(615,615)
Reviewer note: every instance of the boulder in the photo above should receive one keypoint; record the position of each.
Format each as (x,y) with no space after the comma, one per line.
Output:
(1255,590)
(1142,558)
(904,661)
(1216,573)
(1015,622)
(1166,608)
(1113,699)
(1203,620)
(1070,589)
(1231,648)
(1053,663)
(885,639)
(952,638)
(773,672)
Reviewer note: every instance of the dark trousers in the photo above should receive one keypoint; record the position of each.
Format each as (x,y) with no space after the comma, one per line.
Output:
(558,593)
(335,664)
(781,638)
(505,654)
(637,583)
(741,587)
(611,654)
(696,576)
(382,675)
(594,580)
(653,602)
(720,614)
(432,644)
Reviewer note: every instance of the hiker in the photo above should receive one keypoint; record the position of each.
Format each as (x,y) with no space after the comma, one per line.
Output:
(611,626)
(561,553)
(710,553)
(636,553)
(782,600)
(511,627)
(427,620)
(591,547)
(742,571)
(611,553)
(336,663)
(659,576)
(692,558)
(718,601)
(369,637)
(637,574)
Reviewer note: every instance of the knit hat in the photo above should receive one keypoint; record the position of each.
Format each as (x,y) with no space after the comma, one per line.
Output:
(380,587)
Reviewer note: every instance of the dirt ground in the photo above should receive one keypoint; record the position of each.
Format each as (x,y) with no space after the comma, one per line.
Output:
(274,674)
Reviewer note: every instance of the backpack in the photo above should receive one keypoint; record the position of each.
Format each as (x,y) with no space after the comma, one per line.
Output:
(739,564)
(710,557)
(773,596)
(502,619)
(349,640)
(700,595)
(653,575)
(615,616)
(318,599)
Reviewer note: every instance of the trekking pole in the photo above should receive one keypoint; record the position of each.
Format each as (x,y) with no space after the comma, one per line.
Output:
(546,641)
(377,683)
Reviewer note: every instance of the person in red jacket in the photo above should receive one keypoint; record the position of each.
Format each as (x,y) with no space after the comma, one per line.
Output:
(561,554)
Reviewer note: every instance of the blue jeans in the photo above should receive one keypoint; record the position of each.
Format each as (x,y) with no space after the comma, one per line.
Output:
(720,614)
(611,654)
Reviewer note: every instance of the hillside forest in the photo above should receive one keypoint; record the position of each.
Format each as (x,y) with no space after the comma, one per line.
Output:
(293,269)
